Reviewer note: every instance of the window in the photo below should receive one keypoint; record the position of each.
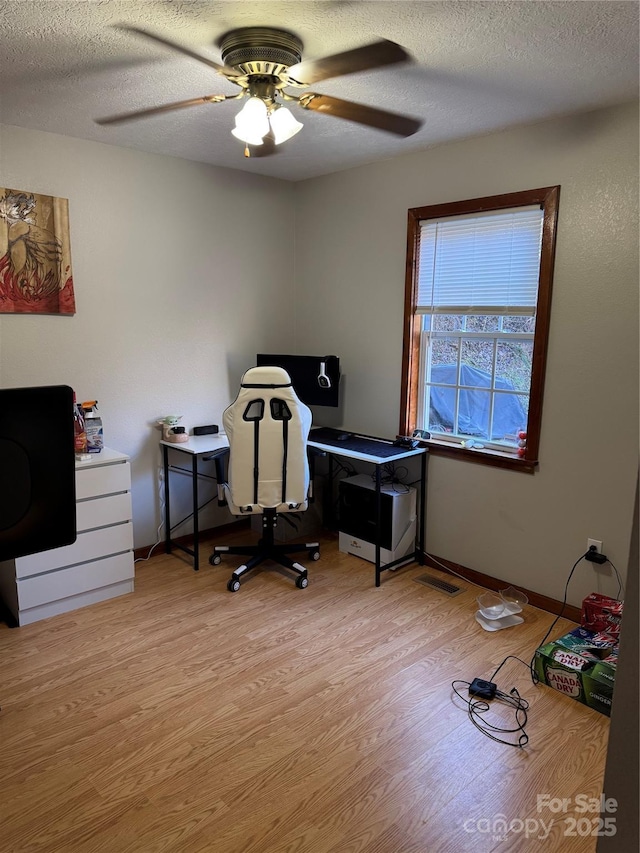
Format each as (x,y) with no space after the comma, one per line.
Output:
(477,303)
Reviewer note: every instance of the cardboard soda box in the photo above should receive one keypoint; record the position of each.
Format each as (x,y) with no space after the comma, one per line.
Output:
(582,665)
(601,613)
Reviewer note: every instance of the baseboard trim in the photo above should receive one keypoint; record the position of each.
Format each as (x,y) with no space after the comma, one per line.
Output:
(161,547)
(551,605)
(535,598)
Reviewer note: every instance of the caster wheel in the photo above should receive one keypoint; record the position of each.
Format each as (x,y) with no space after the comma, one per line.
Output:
(233,585)
(314,555)
(215,559)
(302,582)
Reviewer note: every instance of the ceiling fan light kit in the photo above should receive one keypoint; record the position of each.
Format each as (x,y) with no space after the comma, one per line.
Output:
(265,61)
(253,120)
(247,137)
(257,119)
(283,124)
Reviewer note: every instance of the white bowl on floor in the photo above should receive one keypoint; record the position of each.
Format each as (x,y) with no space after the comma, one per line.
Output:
(514,600)
(492,606)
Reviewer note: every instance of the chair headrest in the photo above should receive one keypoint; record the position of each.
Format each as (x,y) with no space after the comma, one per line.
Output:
(266,377)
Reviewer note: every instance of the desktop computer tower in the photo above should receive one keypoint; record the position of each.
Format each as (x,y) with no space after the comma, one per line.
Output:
(357,519)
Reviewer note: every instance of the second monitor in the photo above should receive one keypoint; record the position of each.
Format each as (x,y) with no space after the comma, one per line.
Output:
(315,378)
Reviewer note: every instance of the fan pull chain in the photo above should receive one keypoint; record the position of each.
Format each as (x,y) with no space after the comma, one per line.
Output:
(247,153)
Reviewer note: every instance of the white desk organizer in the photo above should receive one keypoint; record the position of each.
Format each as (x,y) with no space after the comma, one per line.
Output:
(498,611)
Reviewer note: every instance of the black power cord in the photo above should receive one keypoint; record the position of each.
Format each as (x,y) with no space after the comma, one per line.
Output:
(393,475)
(481,692)
(589,556)
(534,676)
(478,707)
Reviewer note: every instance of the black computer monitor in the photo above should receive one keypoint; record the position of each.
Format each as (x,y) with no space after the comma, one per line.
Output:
(315,378)
(37,470)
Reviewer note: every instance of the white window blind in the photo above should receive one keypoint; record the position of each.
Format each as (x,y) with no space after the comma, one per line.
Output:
(485,263)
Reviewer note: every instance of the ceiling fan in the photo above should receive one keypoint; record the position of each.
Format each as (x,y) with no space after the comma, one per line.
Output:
(264,62)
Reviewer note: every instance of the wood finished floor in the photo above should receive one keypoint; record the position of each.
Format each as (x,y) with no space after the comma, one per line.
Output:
(186,718)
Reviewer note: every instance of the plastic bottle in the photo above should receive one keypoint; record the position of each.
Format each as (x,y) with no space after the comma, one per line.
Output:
(80,434)
(93,426)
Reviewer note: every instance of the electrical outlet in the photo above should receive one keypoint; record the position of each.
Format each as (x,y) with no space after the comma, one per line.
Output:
(597,543)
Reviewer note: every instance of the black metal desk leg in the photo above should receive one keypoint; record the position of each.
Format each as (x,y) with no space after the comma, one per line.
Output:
(328,498)
(423,509)
(194,483)
(378,514)
(167,510)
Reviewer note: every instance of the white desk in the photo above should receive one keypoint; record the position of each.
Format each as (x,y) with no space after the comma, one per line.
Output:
(337,450)
(213,446)
(378,462)
(216,446)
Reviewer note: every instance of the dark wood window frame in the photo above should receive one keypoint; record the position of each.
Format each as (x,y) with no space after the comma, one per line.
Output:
(547,198)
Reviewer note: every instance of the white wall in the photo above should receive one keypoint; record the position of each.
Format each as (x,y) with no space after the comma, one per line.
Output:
(180,277)
(350,260)
(182,274)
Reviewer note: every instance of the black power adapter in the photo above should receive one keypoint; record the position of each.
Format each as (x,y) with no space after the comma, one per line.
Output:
(594,556)
(482,689)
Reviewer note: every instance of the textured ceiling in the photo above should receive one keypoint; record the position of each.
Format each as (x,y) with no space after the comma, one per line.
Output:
(478,66)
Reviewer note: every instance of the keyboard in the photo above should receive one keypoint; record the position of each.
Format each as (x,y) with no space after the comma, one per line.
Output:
(340,438)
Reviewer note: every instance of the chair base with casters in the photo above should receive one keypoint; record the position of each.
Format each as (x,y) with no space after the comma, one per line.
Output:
(267,549)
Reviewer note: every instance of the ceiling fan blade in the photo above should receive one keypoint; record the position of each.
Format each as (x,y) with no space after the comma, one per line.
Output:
(381,119)
(224,70)
(165,108)
(368,56)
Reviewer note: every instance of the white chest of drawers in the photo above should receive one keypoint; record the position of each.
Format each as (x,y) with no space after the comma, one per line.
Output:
(97,566)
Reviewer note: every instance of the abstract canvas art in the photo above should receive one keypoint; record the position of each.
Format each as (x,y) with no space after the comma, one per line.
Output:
(35,254)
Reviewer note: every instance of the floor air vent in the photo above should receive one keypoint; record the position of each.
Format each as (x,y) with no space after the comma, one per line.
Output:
(436,583)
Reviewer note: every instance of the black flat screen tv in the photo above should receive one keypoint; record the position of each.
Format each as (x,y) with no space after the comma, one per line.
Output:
(315,378)
(37,470)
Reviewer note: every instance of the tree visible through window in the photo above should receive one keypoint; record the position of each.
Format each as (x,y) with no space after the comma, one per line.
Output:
(477,307)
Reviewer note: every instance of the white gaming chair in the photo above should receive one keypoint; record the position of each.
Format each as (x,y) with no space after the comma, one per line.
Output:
(268,471)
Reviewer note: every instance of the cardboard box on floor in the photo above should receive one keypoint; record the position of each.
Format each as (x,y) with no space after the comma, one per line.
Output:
(601,613)
(582,665)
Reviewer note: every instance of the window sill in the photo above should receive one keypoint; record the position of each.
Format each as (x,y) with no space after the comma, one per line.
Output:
(484,456)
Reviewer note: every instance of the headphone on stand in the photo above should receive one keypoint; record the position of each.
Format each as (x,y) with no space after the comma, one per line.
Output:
(323,380)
